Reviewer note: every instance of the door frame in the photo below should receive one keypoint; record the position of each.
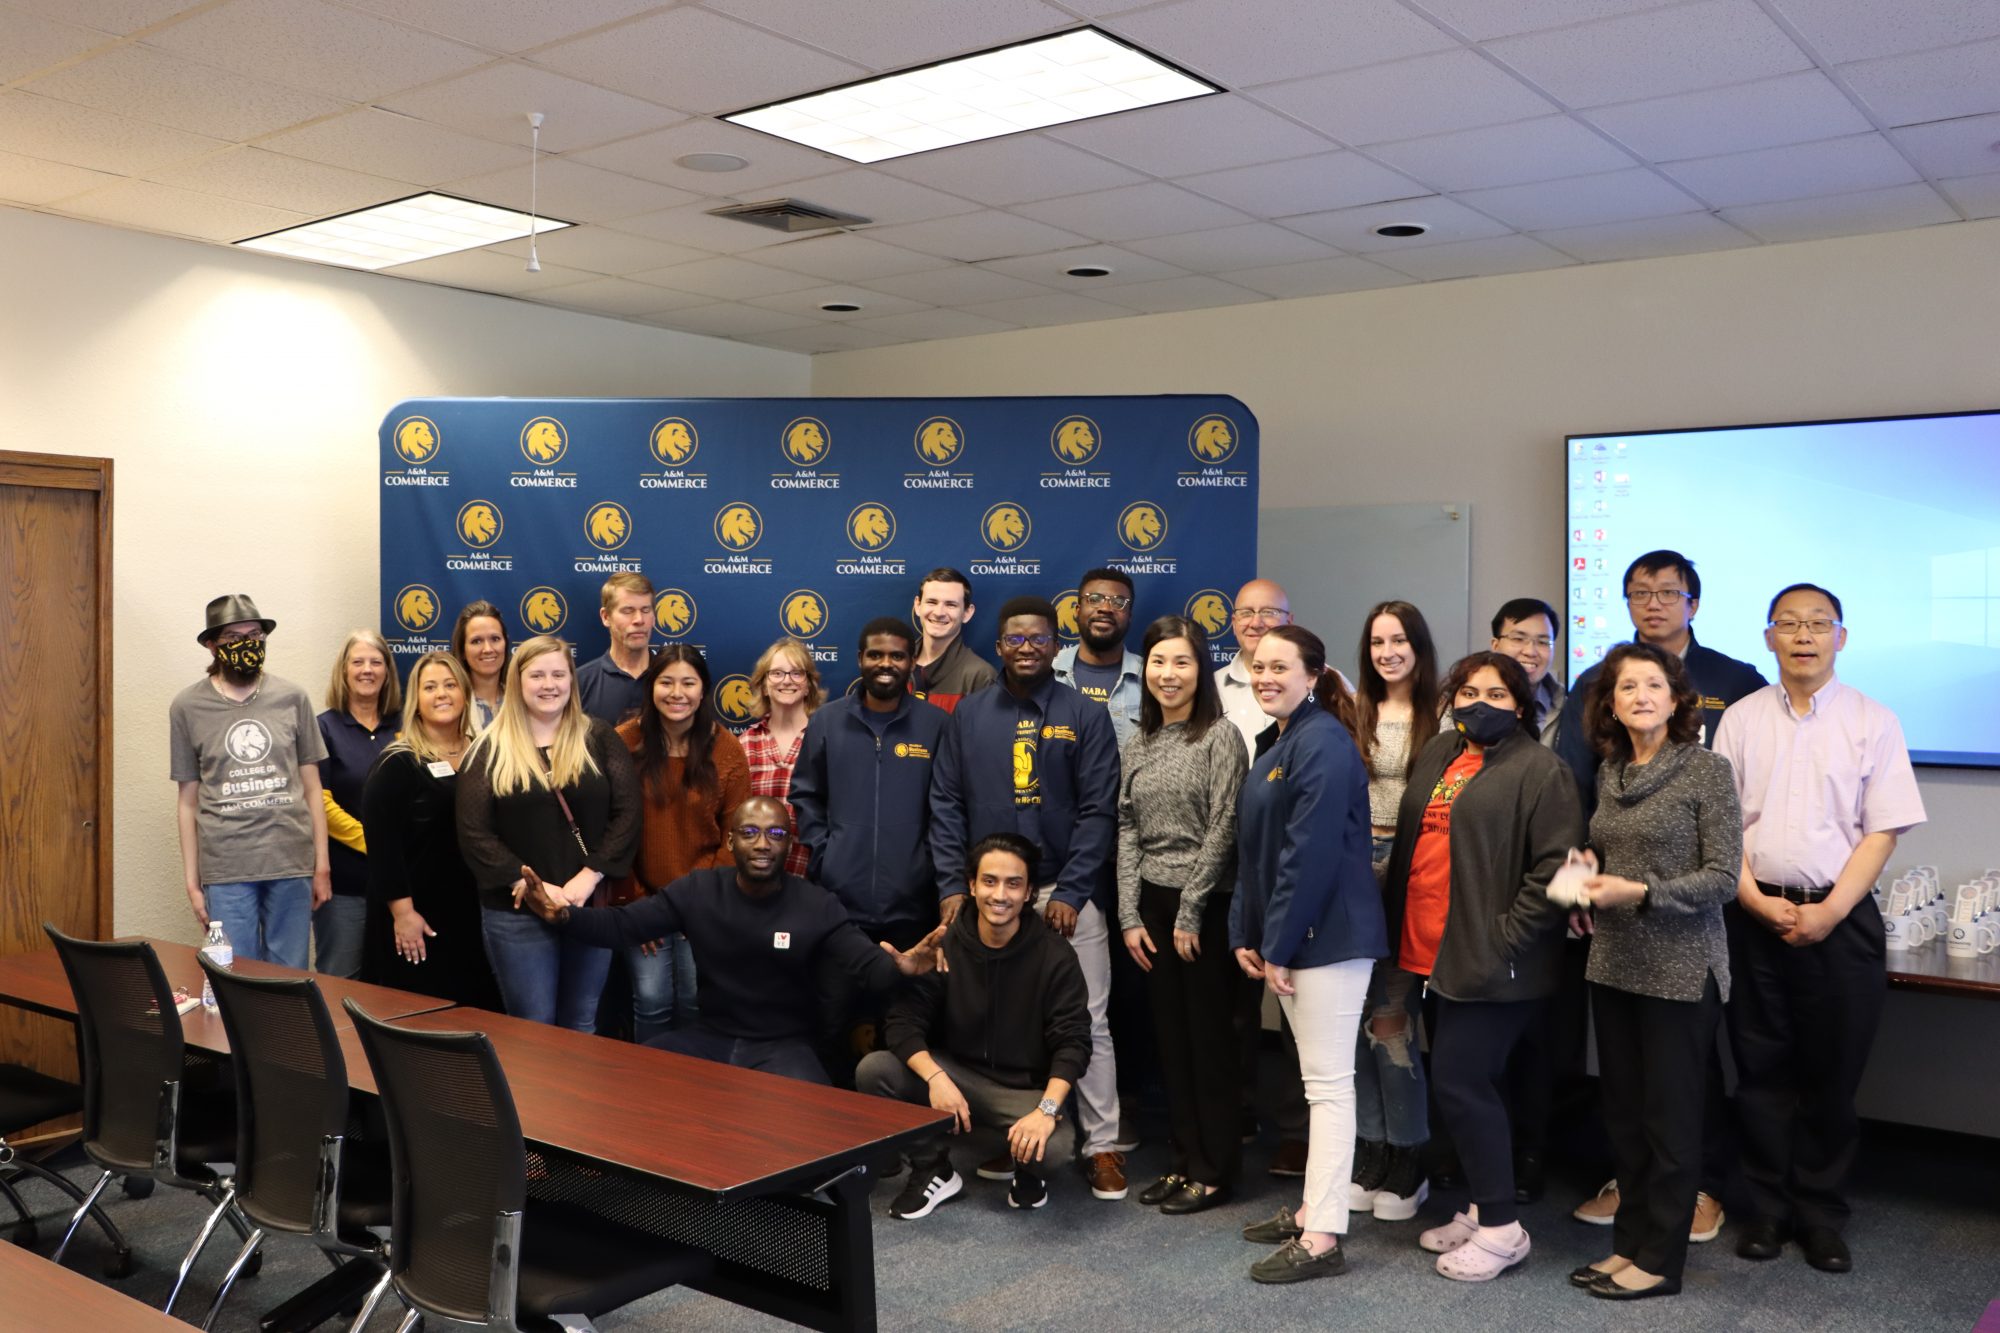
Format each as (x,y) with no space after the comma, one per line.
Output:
(72,473)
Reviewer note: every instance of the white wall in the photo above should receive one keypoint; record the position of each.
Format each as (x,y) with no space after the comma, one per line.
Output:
(240,396)
(1465,390)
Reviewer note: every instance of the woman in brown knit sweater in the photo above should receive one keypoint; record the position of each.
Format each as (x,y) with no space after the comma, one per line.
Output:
(692,774)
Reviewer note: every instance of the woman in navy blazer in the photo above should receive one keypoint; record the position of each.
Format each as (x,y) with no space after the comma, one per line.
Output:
(1307,919)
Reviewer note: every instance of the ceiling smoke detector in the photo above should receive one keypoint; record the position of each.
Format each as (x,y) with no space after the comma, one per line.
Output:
(712,162)
(788,215)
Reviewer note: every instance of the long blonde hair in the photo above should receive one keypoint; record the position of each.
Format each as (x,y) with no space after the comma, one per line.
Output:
(507,747)
(339,694)
(415,737)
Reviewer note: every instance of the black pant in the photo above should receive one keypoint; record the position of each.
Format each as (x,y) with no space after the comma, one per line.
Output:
(1802,1022)
(1289,1113)
(1470,1046)
(1192,1024)
(1552,1057)
(1653,1059)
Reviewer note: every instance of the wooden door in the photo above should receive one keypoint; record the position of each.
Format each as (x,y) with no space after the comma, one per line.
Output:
(55,721)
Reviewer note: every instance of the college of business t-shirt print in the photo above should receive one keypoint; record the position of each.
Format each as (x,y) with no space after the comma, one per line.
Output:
(757,518)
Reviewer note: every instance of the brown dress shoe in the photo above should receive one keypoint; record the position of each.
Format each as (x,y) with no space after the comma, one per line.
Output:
(1106,1171)
(1290,1159)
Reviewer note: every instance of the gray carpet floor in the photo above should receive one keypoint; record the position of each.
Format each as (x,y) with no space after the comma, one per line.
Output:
(1926,1239)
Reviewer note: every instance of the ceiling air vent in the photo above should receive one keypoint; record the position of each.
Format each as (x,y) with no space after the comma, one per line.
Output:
(791,215)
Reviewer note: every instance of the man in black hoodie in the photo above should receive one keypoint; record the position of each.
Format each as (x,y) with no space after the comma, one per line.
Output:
(997,1041)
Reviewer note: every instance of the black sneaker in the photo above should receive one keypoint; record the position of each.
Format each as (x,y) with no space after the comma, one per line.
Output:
(1403,1188)
(927,1188)
(1371,1168)
(1027,1191)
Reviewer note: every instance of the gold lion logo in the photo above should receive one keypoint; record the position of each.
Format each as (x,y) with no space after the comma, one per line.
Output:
(673,612)
(1142,526)
(738,527)
(871,527)
(416,608)
(1075,440)
(1024,766)
(543,441)
(674,441)
(1006,527)
(1066,621)
(939,441)
(732,699)
(607,525)
(543,609)
(479,524)
(416,439)
(805,441)
(1210,610)
(803,613)
(1213,439)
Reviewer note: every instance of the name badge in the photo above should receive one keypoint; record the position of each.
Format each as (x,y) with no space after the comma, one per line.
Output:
(440,769)
(781,939)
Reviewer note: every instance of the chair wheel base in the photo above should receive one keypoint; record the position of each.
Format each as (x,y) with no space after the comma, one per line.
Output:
(25,1234)
(138,1187)
(119,1265)
(256,1262)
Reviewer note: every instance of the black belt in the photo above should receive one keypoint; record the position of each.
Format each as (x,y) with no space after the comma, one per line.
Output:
(1791,895)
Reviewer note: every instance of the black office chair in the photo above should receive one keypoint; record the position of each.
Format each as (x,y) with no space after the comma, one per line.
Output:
(297,1171)
(29,1098)
(467,1243)
(150,1107)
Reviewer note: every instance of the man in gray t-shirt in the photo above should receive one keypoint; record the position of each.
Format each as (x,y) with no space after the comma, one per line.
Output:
(246,754)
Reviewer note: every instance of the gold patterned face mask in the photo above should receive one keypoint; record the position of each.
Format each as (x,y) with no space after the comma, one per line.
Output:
(244,657)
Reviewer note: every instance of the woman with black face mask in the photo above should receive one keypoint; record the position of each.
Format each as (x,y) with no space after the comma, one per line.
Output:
(1487,818)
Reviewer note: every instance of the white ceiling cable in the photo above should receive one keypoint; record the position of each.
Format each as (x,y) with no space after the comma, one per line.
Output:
(534,186)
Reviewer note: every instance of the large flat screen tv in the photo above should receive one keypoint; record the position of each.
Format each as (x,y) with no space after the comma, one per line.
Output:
(1897,516)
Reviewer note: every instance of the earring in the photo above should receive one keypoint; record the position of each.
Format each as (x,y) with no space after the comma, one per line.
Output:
(1310,696)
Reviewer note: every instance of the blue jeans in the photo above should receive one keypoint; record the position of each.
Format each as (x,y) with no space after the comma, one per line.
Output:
(337,932)
(788,1057)
(269,920)
(543,975)
(662,987)
(1390,1091)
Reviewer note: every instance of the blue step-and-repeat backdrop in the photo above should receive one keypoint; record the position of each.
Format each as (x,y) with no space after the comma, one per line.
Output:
(759,518)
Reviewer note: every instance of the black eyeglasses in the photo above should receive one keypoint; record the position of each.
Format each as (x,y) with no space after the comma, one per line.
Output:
(751,833)
(1025,640)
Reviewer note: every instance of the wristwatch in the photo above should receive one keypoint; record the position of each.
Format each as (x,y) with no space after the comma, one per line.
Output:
(1050,1108)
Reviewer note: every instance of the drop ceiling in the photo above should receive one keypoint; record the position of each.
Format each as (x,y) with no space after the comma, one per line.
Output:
(1524,134)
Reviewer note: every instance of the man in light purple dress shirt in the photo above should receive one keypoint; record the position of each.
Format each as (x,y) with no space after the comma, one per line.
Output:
(1827,789)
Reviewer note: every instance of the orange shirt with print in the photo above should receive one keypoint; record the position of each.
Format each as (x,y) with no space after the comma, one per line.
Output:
(1428,901)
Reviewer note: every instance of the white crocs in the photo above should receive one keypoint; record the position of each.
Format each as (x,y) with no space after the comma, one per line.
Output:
(1462,1228)
(1483,1257)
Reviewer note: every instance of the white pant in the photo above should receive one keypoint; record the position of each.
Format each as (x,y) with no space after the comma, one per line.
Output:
(1097,1094)
(1325,1014)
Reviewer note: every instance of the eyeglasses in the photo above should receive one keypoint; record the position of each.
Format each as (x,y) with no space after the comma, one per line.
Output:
(1263,615)
(1026,640)
(224,640)
(1112,600)
(784,673)
(751,833)
(1663,597)
(1541,641)
(1790,628)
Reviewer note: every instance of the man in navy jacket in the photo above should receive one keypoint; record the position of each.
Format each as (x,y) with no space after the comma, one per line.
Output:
(1036,758)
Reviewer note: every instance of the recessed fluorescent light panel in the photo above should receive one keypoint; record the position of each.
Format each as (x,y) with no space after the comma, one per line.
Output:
(423,226)
(1029,86)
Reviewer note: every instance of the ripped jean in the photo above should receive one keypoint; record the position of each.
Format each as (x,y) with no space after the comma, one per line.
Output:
(1390,1094)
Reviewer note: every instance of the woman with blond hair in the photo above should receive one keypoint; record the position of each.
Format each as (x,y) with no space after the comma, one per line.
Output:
(423,910)
(784,692)
(362,703)
(548,789)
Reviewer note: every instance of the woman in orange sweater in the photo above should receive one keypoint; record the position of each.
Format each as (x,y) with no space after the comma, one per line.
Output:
(692,775)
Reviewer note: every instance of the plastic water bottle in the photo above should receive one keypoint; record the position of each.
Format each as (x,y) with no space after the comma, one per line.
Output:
(217,950)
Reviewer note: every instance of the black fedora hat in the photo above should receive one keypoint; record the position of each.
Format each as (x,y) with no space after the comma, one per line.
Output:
(232,609)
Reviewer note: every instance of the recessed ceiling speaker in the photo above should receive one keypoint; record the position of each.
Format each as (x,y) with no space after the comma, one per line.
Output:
(1400,230)
(1089,271)
(712,162)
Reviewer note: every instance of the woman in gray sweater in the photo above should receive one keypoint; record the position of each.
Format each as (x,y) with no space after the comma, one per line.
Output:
(1176,868)
(1668,834)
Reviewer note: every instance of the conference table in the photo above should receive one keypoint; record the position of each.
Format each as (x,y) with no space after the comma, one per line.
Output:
(768,1174)
(62,1295)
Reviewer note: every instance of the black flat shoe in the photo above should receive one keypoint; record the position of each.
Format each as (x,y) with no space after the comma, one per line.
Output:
(1606,1289)
(1826,1251)
(1162,1189)
(1585,1276)
(1762,1239)
(1193,1197)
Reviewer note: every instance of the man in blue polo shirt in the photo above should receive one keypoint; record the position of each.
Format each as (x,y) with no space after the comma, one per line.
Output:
(608,686)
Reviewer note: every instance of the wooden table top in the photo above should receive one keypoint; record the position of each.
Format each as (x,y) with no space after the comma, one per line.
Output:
(1933,970)
(40,1294)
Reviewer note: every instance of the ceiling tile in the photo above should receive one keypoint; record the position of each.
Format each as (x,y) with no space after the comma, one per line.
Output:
(927,324)
(1793,108)
(726,320)
(601,250)
(1308,185)
(1050,269)
(809,301)
(841,256)
(1202,134)
(1613,196)
(570,191)
(727,278)
(149,84)
(82,136)
(28,43)
(1963,147)
(506,27)
(621,296)
(122,17)
(959,285)
(1238,45)
(1645,238)
(1353,229)
(1317,277)
(1048,309)
(1545,148)
(824,338)
(258,177)
(1131,211)
(1844,30)
(1195,292)
(1678,50)
(892,34)
(1452,90)
(877,197)
(387,144)
(699,60)
(27,180)
(1011,170)
(1979,196)
(493,103)
(1100,8)
(1892,209)
(691,225)
(316,46)
(1475,259)
(1796,171)
(975,236)
(1251,245)
(1935,85)
(1483,19)
(489,271)
(651,157)
(181,212)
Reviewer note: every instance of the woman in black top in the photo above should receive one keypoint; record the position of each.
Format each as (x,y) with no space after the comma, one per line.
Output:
(423,913)
(551,789)
(362,703)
